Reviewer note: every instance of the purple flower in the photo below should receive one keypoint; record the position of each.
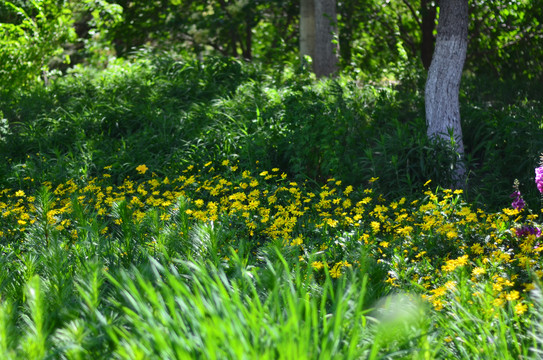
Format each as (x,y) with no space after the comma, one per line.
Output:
(526,230)
(518,203)
(539,178)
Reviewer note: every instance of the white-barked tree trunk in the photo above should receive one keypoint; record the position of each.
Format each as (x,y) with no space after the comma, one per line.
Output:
(318,31)
(443,82)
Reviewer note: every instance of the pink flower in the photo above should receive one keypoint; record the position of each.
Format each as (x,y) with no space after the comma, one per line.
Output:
(539,178)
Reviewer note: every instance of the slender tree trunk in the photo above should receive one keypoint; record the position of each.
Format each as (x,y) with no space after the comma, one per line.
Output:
(248,50)
(307,28)
(325,62)
(428,12)
(443,82)
(347,10)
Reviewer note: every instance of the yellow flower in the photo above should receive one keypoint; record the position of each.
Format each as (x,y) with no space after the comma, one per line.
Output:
(317,265)
(520,308)
(142,169)
(438,304)
(297,241)
(529,287)
(478,271)
(440,291)
(510,212)
(450,265)
(477,249)
(165,217)
(336,270)
(462,260)
(20,193)
(513,295)
(498,302)
(450,285)
(405,231)
(451,234)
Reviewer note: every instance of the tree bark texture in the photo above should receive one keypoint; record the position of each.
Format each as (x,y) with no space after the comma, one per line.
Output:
(318,27)
(444,75)
(326,49)
(307,28)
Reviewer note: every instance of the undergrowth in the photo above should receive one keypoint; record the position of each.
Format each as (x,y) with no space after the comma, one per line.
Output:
(176,208)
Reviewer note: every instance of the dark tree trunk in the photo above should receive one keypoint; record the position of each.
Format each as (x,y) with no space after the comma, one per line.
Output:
(428,22)
(346,35)
(443,82)
(248,50)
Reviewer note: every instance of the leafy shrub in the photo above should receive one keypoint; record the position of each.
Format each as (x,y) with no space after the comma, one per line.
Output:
(31,40)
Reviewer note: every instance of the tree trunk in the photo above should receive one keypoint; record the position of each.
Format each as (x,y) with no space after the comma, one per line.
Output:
(346,12)
(247,50)
(307,28)
(428,12)
(326,49)
(443,82)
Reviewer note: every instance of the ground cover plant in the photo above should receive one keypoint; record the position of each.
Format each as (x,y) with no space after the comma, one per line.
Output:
(153,249)
(176,208)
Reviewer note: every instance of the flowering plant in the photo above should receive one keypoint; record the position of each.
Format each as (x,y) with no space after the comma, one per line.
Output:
(519,204)
(539,178)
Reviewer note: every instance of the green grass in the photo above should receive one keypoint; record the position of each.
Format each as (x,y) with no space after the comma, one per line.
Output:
(272,219)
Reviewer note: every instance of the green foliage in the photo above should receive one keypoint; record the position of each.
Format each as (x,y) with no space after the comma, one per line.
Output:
(31,39)
(197,311)
(153,278)
(133,111)
(501,127)
(510,50)
(166,111)
(94,21)
(374,37)
(102,256)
